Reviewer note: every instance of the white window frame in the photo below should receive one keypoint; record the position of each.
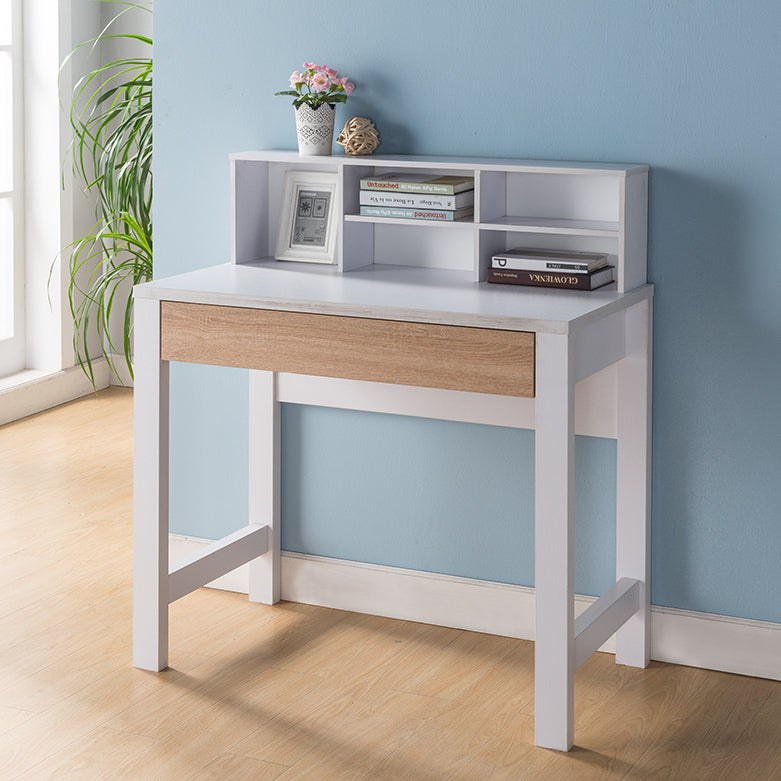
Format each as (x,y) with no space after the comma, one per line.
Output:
(54,210)
(12,329)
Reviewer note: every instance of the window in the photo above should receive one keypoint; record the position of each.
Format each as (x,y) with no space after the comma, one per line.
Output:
(11,195)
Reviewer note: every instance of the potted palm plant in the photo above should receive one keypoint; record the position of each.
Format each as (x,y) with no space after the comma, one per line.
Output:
(111,152)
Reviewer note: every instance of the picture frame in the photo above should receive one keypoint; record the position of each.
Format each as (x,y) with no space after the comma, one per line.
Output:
(307,227)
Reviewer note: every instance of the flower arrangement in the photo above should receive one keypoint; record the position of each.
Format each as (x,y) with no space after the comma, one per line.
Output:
(316,85)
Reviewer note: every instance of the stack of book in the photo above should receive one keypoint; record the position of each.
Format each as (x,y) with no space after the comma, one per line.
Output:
(546,268)
(415,196)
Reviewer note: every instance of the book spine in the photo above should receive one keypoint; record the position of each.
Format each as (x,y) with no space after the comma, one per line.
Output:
(538,264)
(407,187)
(411,200)
(408,214)
(568,281)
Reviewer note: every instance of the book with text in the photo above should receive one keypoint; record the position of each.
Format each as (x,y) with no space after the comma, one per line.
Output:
(417,200)
(549,260)
(419,183)
(441,215)
(558,279)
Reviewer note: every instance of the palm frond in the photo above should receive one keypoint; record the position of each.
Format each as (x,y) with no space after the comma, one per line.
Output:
(111,155)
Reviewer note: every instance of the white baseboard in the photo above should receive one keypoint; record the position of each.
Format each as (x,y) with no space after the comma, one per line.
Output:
(122,377)
(32,391)
(683,637)
(43,391)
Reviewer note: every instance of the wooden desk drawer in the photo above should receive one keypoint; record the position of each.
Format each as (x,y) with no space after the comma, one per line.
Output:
(354,348)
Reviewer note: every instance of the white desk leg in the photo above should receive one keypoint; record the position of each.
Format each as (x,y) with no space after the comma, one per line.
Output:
(150,491)
(554,653)
(633,477)
(264,484)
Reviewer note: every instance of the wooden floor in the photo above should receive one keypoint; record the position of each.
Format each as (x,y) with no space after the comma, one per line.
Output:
(293,691)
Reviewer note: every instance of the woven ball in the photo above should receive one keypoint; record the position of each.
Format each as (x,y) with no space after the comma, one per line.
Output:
(359,137)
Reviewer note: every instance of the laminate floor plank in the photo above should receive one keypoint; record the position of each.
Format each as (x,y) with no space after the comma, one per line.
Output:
(212,725)
(756,748)
(707,731)
(458,665)
(351,694)
(469,721)
(93,757)
(13,717)
(223,676)
(370,731)
(236,768)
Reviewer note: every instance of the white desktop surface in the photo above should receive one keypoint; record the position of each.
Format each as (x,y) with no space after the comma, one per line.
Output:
(392,292)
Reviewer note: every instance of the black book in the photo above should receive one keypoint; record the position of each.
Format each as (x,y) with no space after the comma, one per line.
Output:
(559,279)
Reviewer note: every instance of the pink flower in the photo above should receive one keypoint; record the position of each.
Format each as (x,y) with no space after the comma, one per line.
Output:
(317,84)
(320,82)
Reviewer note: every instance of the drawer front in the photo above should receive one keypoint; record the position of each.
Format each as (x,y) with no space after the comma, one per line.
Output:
(482,360)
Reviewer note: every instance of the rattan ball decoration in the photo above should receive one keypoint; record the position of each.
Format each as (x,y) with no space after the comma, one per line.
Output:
(359,137)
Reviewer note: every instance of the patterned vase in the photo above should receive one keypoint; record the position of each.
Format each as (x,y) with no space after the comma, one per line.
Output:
(315,129)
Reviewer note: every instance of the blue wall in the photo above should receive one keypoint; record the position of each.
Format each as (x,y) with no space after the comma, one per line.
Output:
(690,88)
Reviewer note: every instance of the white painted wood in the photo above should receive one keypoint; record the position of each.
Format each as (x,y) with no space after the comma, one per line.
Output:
(595,405)
(249,211)
(33,391)
(611,611)
(732,645)
(351,179)
(264,483)
(427,162)
(488,243)
(555,226)
(222,556)
(595,401)
(633,230)
(181,546)
(435,403)
(580,201)
(391,293)
(357,245)
(554,653)
(150,492)
(463,603)
(563,196)
(410,595)
(418,243)
(459,226)
(633,480)
(490,195)
(678,636)
(598,345)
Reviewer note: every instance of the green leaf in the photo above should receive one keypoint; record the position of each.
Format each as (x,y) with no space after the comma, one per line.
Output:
(111,154)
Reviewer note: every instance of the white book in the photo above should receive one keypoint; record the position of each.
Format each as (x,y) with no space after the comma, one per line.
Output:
(549,260)
(418,200)
(442,215)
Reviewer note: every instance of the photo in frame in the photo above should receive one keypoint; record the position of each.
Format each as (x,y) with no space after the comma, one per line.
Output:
(307,225)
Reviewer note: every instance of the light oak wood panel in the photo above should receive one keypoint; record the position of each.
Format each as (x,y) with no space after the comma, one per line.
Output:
(481,360)
(296,691)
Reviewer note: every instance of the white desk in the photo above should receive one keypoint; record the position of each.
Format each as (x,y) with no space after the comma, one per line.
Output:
(368,339)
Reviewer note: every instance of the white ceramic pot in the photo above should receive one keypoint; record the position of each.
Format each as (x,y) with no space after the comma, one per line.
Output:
(315,129)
